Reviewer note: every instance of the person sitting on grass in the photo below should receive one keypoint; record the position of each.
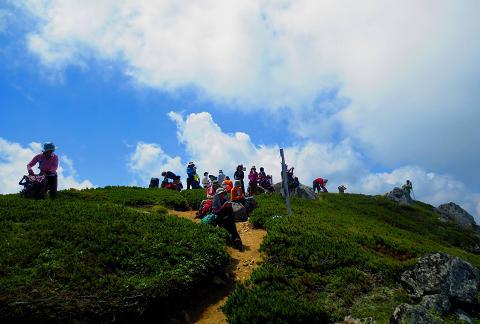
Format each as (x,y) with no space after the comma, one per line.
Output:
(227,184)
(237,194)
(212,190)
(205,180)
(48,165)
(223,209)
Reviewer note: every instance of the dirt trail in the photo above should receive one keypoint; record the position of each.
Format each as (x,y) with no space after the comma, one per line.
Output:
(240,269)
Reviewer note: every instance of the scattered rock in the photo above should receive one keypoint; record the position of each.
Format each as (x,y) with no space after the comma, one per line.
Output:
(453,212)
(436,303)
(440,273)
(350,320)
(400,196)
(301,191)
(417,314)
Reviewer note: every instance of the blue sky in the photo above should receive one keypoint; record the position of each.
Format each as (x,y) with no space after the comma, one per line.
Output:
(364,95)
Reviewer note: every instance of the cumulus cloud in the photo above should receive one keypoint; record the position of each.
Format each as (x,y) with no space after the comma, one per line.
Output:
(13,165)
(212,149)
(408,70)
(149,160)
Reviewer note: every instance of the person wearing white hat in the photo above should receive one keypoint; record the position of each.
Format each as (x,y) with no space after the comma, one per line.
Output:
(48,165)
(223,209)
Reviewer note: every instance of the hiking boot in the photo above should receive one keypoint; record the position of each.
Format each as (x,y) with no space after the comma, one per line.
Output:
(238,244)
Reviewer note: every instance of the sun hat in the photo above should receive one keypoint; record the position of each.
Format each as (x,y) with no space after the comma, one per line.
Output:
(215,182)
(48,147)
(220,171)
(220,191)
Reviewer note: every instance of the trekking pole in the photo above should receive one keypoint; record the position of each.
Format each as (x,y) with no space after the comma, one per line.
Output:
(285,184)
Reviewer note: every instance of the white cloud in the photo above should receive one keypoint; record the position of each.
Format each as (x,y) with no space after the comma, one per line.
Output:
(408,69)
(13,165)
(149,160)
(213,149)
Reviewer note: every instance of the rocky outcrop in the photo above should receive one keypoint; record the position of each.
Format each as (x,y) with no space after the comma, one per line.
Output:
(440,280)
(440,273)
(400,196)
(453,212)
(407,314)
(301,191)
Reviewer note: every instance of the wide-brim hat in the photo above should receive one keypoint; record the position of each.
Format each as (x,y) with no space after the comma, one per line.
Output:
(220,191)
(48,147)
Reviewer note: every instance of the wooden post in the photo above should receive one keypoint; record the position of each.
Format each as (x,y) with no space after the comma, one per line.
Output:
(285,183)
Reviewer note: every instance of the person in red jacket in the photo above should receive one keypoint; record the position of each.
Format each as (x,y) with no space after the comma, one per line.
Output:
(320,183)
(48,165)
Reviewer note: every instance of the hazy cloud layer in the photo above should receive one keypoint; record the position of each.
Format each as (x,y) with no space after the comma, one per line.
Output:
(212,149)
(407,73)
(13,166)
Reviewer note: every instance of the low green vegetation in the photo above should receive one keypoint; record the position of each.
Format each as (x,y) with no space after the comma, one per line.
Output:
(129,196)
(91,255)
(194,197)
(339,255)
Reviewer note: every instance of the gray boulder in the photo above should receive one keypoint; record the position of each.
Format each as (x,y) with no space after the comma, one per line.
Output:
(405,313)
(436,303)
(302,191)
(453,212)
(440,273)
(400,196)
(463,317)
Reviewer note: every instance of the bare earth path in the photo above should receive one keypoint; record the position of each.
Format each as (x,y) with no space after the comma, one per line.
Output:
(240,269)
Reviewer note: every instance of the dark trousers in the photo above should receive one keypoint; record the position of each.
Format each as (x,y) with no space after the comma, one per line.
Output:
(227,221)
(52,184)
(317,187)
(189,182)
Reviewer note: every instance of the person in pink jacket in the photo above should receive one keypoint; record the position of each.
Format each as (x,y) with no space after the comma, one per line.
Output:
(48,165)
(252,181)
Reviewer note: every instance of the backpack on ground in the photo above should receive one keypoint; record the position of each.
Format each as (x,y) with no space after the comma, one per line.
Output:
(239,212)
(34,186)
(154,183)
(210,219)
(250,204)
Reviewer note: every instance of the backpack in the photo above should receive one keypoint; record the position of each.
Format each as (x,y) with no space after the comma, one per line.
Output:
(239,212)
(210,219)
(154,182)
(34,186)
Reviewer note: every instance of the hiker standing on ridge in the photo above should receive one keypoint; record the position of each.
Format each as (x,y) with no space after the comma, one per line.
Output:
(191,171)
(239,175)
(252,181)
(407,187)
(48,165)
(320,183)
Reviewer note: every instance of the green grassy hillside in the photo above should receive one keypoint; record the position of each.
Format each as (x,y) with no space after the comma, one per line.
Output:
(99,255)
(339,255)
(89,255)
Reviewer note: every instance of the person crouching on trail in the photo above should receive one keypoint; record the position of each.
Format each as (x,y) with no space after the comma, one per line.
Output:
(170,175)
(48,165)
(252,181)
(223,209)
(320,183)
